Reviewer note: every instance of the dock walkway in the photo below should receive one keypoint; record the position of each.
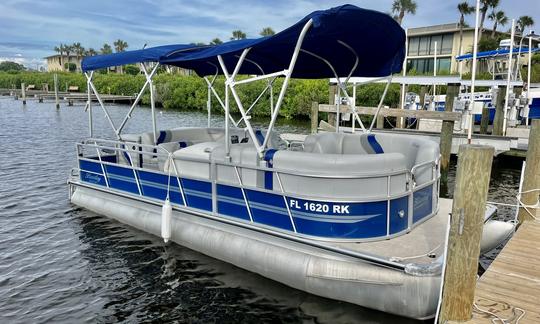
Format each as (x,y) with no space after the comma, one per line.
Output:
(512,281)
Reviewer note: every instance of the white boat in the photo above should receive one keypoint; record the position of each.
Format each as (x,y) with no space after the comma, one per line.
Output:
(353,217)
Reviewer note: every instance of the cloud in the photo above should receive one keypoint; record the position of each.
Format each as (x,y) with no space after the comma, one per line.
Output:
(32,28)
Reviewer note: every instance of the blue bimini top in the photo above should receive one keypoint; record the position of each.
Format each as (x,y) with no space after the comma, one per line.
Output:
(338,37)
(152,54)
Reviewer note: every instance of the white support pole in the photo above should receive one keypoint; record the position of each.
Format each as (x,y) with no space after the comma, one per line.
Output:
(435,70)
(403,73)
(509,76)
(98,97)
(354,107)
(216,95)
(209,104)
(380,104)
(473,72)
(338,108)
(230,84)
(227,137)
(528,81)
(286,81)
(137,99)
(268,86)
(89,91)
(152,104)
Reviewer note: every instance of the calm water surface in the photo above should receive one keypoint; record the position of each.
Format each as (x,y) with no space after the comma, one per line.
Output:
(63,264)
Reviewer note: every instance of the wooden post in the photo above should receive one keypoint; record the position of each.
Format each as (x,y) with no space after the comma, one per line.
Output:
(531,175)
(447,131)
(469,206)
(484,122)
(380,121)
(70,102)
(23,93)
(40,98)
(400,121)
(423,92)
(332,101)
(314,117)
(57,102)
(499,112)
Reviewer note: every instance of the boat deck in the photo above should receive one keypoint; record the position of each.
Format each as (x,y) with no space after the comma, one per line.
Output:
(512,281)
(426,239)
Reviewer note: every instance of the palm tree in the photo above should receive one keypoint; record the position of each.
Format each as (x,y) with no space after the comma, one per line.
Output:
(106,49)
(78,49)
(91,52)
(486,5)
(267,31)
(524,22)
(238,34)
(464,9)
(60,50)
(400,7)
(499,19)
(216,41)
(120,45)
(68,50)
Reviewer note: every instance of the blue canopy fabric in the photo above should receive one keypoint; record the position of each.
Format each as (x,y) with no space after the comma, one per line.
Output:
(377,39)
(152,54)
(496,53)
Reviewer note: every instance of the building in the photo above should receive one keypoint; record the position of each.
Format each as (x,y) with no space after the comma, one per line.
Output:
(58,62)
(421,48)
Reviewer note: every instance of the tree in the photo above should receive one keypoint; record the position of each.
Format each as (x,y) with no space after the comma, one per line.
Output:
(267,31)
(400,7)
(11,66)
(487,44)
(78,49)
(499,19)
(464,9)
(216,41)
(91,52)
(238,34)
(60,50)
(120,45)
(524,22)
(132,69)
(106,49)
(486,5)
(68,50)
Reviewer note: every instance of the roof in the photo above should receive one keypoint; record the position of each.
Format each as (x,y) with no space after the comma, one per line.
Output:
(64,55)
(495,54)
(338,36)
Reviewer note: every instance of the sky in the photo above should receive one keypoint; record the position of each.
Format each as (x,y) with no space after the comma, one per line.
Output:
(29,30)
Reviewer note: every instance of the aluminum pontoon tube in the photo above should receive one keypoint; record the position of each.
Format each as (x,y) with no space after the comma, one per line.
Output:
(294,264)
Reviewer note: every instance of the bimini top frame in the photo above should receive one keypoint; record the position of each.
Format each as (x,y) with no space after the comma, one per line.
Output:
(341,41)
(322,45)
(149,59)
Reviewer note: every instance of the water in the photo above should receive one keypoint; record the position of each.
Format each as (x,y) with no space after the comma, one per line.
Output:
(63,264)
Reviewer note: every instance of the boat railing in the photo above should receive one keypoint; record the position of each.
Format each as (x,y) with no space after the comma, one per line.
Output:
(158,151)
(99,151)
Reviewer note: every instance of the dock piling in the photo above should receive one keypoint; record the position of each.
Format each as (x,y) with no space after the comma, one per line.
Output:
(469,206)
(531,176)
(57,102)
(484,122)
(23,93)
(447,130)
(314,117)
(499,112)
(332,101)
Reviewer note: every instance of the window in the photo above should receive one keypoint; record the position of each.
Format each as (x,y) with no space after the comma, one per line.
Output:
(443,65)
(424,45)
(413,46)
(447,44)
(438,40)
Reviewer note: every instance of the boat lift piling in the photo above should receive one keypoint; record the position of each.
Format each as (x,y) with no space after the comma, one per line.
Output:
(468,209)
(23,93)
(57,103)
(498,122)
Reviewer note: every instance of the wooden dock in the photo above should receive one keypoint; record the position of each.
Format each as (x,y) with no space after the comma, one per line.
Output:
(512,281)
